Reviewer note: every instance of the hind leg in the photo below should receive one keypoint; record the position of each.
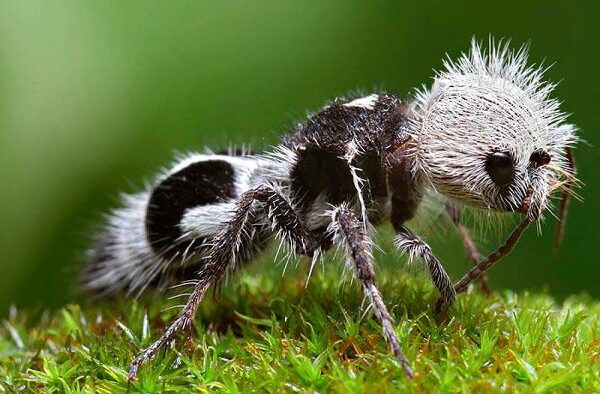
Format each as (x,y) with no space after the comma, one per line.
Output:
(224,253)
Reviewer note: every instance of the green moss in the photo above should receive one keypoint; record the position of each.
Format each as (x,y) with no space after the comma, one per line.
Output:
(268,333)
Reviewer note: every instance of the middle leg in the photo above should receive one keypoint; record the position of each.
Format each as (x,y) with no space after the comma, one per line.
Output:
(349,232)
(415,247)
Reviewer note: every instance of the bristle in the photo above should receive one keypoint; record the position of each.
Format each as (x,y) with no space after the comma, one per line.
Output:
(490,100)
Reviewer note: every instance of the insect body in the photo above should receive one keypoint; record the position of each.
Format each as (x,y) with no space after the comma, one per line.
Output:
(486,135)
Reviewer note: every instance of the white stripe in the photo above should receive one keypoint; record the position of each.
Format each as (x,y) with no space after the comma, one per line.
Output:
(367,102)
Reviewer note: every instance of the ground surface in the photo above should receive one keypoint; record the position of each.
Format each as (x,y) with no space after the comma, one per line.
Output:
(268,333)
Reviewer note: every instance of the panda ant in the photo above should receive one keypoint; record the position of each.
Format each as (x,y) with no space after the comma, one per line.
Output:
(486,135)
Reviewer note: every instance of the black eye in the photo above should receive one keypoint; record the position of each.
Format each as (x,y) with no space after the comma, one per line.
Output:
(539,158)
(500,167)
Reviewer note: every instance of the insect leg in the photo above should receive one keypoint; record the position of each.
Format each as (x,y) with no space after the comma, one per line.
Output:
(470,248)
(415,247)
(285,221)
(349,232)
(219,258)
(502,251)
(564,201)
(222,256)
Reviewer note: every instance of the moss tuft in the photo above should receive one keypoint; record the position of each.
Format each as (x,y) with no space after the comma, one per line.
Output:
(267,333)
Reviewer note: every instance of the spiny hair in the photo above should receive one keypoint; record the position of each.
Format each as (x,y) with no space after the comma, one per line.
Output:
(490,100)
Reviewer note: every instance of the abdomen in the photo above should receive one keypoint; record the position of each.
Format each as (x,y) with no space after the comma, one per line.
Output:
(163,231)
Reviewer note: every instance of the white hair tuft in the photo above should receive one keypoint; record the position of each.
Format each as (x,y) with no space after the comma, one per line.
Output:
(490,100)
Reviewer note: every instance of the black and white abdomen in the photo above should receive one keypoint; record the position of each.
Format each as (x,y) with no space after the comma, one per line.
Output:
(164,230)
(185,206)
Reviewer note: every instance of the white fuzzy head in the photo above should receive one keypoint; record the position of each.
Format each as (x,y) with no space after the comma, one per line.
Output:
(488,134)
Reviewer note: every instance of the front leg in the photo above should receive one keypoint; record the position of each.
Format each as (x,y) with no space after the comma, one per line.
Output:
(416,248)
(406,198)
(469,246)
(503,250)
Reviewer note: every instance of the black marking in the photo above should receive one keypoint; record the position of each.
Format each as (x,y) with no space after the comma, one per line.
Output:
(322,145)
(320,171)
(539,158)
(500,168)
(337,125)
(199,184)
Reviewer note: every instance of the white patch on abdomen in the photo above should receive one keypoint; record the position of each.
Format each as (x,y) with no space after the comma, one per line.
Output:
(207,220)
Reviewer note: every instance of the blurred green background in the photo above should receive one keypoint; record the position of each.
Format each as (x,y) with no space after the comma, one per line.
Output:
(95,96)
